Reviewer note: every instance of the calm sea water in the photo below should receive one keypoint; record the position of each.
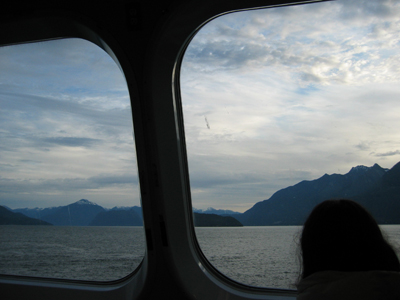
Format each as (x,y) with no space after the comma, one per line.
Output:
(257,256)
(84,253)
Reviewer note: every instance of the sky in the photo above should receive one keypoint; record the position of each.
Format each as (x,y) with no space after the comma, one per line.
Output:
(276,96)
(270,97)
(65,127)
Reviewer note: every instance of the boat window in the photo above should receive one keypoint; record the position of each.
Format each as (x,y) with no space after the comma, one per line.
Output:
(276,103)
(69,194)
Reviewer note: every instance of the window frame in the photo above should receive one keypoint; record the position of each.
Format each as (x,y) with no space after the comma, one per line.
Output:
(202,272)
(51,27)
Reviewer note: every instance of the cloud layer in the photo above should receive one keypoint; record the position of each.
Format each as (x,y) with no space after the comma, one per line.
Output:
(65,127)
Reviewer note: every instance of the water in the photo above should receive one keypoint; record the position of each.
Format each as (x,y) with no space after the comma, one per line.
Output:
(83,253)
(257,256)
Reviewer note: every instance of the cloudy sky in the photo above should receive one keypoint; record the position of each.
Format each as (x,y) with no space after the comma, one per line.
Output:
(276,96)
(65,127)
(270,97)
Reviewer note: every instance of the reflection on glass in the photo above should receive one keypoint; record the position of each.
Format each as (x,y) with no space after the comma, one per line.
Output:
(273,100)
(67,158)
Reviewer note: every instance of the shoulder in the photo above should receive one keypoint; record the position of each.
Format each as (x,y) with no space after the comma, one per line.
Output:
(350,285)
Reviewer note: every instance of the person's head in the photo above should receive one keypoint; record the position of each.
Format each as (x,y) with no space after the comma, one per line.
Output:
(341,235)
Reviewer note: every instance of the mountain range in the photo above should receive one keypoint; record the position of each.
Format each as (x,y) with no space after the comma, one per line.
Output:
(214,211)
(85,213)
(376,188)
(118,217)
(213,220)
(8,217)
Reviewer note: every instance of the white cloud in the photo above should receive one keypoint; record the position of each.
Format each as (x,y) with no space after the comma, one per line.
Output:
(65,126)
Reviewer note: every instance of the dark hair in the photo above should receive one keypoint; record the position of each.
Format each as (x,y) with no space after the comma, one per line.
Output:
(341,235)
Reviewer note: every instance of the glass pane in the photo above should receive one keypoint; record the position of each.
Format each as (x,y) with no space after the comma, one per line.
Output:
(276,102)
(67,158)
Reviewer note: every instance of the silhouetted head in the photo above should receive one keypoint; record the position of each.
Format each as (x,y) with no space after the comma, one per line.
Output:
(341,235)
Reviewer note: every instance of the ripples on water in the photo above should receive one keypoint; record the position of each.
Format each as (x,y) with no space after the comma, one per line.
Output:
(257,256)
(82,253)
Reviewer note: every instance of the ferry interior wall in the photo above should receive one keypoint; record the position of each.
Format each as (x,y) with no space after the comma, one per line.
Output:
(146,39)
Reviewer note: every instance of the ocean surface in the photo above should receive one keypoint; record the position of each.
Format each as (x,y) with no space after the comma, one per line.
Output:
(257,256)
(83,253)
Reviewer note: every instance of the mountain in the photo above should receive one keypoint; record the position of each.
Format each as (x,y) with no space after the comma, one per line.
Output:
(117,217)
(136,209)
(214,211)
(8,217)
(5,206)
(80,213)
(292,205)
(212,220)
(383,198)
(37,213)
